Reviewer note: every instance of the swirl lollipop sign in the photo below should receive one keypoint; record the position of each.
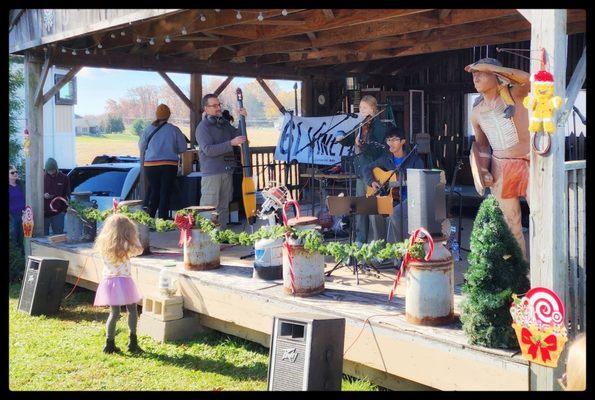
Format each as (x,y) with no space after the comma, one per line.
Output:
(538,320)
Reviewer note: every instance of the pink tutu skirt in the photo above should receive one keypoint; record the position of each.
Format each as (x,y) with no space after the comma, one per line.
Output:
(116,291)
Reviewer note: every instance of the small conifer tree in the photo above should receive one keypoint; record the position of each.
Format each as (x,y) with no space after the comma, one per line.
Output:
(496,270)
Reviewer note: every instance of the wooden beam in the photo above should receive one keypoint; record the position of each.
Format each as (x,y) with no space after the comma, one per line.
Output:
(38,96)
(196,98)
(312,36)
(223,85)
(271,95)
(177,91)
(34,162)
(65,79)
(328,14)
(547,184)
(574,86)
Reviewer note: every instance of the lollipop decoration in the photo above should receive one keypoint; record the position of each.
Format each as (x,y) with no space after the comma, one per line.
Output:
(538,320)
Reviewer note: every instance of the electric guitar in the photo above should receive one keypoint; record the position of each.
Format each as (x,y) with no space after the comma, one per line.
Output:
(248,188)
(385,177)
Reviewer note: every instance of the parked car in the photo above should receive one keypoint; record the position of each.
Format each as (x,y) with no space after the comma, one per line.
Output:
(104,159)
(118,180)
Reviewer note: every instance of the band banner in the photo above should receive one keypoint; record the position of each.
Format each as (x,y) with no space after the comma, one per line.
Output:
(298,132)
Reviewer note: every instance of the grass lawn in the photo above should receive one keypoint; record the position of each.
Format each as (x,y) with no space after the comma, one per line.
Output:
(64,352)
(87,147)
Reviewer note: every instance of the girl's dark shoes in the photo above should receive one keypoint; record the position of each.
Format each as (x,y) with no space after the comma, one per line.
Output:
(133,345)
(110,347)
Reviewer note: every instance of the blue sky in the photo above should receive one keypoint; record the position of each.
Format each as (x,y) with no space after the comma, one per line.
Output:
(96,85)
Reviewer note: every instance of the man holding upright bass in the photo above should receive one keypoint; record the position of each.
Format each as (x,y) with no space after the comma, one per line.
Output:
(215,137)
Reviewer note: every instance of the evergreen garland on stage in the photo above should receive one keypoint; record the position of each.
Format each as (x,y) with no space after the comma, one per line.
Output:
(496,271)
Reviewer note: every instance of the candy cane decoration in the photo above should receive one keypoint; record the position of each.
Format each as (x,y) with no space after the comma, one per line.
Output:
(286,243)
(57,198)
(407,257)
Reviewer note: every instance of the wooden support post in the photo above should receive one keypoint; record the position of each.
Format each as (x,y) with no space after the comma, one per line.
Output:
(34,163)
(65,79)
(196,99)
(574,86)
(44,74)
(306,105)
(177,91)
(547,229)
(223,85)
(271,95)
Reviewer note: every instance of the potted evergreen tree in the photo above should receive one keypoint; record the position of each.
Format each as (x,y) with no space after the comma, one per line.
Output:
(496,270)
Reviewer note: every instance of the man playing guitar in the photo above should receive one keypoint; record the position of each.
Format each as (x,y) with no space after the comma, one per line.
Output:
(396,141)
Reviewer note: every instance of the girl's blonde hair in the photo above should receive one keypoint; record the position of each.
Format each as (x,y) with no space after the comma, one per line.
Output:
(118,240)
(576,364)
(370,100)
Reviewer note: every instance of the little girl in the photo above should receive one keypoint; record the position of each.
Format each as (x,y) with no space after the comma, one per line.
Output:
(117,243)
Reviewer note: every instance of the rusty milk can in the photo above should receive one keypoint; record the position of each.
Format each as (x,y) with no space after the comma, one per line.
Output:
(201,253)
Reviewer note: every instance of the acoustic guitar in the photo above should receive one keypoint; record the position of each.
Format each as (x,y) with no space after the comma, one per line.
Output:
(385,177)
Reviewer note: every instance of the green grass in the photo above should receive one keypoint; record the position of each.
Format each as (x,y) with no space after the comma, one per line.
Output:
(64,352)
(118,137)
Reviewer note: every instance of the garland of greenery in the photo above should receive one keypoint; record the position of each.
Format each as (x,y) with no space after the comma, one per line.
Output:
(312,240)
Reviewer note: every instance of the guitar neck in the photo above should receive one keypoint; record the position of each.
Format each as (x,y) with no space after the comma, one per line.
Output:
(244,148)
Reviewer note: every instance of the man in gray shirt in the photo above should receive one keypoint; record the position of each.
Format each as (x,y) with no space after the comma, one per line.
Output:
(215,137)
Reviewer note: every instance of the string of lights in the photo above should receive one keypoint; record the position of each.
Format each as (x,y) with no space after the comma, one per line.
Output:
(152,40)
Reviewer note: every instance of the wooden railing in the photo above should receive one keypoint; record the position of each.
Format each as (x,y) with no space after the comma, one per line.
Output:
(575,288)
(266,169)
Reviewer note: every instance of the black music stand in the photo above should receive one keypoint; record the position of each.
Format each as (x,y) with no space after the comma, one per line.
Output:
(352,205)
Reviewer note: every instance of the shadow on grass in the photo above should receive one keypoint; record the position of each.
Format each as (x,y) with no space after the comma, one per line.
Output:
(257,371)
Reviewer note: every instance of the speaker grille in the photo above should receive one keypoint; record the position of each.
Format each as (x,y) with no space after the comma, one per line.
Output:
(289,365)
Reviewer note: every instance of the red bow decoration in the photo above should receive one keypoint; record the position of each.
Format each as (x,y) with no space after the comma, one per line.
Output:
(185,224)
(407,257)
(115,204)
(545,346)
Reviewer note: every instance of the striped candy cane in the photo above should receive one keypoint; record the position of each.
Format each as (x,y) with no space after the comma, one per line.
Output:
(57,198)
(407,257)
(286,243)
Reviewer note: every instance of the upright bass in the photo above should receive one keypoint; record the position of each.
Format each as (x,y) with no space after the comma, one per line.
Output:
(248,188)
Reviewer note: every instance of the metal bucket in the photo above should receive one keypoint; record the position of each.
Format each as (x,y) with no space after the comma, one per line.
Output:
(201,253)
(77,230)
(268,259)
(308,271)
(207,212)
(429,298)
(143,230)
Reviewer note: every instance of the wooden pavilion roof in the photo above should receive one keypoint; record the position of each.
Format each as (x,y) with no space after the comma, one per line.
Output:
(283,43)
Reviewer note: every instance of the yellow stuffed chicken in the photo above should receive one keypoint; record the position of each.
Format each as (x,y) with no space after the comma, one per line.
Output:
(542,102)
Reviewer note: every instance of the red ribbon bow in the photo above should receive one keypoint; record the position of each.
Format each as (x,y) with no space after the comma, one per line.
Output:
(407,257)
(115,204)
(545,346)
(185,223)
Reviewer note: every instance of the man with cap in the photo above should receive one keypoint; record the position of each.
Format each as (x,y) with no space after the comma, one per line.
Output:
(501,123)
(159,145)
(215,137)
(56,187)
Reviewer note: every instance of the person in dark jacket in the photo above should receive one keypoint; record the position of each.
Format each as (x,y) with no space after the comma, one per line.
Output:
(56,195)
(395,156)
(161,152)
(368,147)
(16,205)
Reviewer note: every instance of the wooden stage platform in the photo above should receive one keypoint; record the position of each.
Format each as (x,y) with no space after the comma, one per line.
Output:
(379,343)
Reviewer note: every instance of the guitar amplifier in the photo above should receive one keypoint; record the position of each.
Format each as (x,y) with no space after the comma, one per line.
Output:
(43,285)
(426,200)
(306,352)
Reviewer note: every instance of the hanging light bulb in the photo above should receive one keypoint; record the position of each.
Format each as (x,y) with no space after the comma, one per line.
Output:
(74,52)
(99,46)
(63,50)
(123,33)
(239,15)
(217,9)
(113,36)
(151,41)
(260,16)
(45,49)
(203,18)
(284,12)
(184,31)
(138,39)
(167,39)
(87,51)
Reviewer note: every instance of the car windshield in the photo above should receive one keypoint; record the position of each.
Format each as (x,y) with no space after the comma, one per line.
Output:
(99,181)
